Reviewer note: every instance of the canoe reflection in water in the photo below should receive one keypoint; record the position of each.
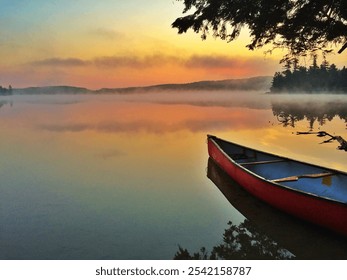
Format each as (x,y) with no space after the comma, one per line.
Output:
(240,242)
(304,240)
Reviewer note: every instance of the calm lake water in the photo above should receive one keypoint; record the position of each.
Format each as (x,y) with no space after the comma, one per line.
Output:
(125,176)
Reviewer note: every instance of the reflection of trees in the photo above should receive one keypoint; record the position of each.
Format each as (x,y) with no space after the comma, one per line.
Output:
(242,242)
(289,113)
(4,102)
(287,119)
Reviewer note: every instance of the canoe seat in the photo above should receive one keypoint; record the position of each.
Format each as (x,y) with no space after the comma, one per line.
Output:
(262,162)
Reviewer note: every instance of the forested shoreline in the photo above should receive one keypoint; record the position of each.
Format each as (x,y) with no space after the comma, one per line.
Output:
(5,91)
(316,78)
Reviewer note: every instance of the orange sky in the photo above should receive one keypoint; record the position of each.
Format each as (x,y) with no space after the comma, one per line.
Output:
(98,44)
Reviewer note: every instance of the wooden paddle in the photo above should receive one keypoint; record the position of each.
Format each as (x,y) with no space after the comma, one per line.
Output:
(295,178)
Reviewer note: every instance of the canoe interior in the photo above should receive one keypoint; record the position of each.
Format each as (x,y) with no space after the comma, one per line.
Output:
(271,167)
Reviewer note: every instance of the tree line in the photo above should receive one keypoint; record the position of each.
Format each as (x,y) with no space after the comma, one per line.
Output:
(314,79)
(6,91)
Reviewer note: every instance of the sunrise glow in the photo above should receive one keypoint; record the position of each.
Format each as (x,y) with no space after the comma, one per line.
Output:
(116,44)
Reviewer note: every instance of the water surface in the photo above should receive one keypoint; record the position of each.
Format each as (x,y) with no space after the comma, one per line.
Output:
(124,176)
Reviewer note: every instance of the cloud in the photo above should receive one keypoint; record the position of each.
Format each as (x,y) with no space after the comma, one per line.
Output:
(66,128)
(111,154)
(221,61)
(158,60)
(210,61)
(120,61)
(135,61)
(62,62)
(108,34)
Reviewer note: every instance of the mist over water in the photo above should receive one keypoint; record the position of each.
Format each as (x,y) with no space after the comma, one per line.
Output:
(123,176)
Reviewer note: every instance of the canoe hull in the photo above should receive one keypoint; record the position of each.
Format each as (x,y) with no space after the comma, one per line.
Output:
(320,211)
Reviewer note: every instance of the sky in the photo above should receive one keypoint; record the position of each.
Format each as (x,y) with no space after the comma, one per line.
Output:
(116,43)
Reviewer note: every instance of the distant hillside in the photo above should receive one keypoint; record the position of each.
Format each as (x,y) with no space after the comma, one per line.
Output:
(256,83)
(52,90)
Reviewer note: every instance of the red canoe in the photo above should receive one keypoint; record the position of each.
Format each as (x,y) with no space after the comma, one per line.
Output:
(310,192)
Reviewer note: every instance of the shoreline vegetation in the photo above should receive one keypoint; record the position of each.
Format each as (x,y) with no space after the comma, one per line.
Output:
(324,78)
(6,91)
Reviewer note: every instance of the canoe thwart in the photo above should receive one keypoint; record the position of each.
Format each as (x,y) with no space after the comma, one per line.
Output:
(295,178)
(262,162)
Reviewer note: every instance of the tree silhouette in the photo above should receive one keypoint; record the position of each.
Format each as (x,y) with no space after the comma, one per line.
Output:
(323,78)
(301,26)
(5,91)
